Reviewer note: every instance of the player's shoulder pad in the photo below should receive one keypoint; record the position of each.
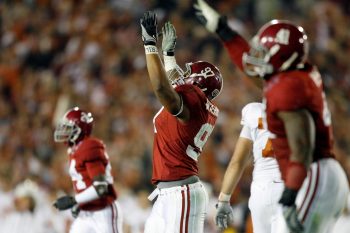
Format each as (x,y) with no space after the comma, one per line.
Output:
(92,143)
(251,114)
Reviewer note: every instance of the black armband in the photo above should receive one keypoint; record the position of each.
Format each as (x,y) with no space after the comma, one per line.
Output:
(168,53)
(224,31)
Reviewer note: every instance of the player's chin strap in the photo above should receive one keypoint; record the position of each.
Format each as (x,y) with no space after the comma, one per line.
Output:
(98,189)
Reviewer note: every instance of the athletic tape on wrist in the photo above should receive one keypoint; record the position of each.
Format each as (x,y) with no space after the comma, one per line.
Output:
(169,63)
(87,195)
(151,49)
(224,197)
(168,53)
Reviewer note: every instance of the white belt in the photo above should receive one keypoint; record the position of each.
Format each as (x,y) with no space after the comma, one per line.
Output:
(166,191)
(154,194)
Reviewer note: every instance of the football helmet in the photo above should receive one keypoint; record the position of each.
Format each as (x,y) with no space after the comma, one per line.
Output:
(278,46)
(75,125)
(204,75)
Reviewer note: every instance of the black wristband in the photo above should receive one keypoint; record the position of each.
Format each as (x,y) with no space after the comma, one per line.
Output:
(168,53)
(224,31)
(149,43)
(288,197)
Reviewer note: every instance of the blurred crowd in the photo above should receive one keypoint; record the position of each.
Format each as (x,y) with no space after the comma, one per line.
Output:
(57,54)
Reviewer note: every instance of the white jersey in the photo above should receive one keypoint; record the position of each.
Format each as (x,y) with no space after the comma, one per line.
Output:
(267,186)
(255,129)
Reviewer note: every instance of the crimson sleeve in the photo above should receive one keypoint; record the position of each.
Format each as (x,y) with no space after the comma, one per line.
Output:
(95,168)
(235,48)
(94,157)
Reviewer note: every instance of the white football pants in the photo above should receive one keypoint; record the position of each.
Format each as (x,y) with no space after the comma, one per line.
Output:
(107,220)
(263,202)
(321,199)
(180,209)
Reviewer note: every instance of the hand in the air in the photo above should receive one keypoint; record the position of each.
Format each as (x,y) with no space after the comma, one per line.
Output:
(224,214)
(149,28)
(207,15)
(169,39)
(64,203)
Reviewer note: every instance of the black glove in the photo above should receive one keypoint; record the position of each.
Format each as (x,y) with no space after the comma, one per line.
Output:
(149,28)
(223,30)
(288,197)
(64,203)
(290,212)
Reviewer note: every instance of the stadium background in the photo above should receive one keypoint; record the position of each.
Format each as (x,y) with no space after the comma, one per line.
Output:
(59,54)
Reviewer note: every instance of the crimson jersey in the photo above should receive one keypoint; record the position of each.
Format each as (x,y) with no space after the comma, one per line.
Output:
(177,145)
(290,91)
(300,89)
(86,160)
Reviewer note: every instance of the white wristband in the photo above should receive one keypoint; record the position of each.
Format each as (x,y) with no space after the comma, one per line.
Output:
(169,63)
(224,197)
(87,195)
(151,49)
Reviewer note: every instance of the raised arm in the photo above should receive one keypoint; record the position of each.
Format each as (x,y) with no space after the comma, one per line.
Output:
(162,88)
(234,43)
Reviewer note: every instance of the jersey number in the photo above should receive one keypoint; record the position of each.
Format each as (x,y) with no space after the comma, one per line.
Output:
(282,36)
(199,140)
(268,150)
(76,176)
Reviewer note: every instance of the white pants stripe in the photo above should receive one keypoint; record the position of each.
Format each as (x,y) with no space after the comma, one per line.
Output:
(312,180)
(179,209)
(321,198)
(107,220)
(114,218)
(185,210)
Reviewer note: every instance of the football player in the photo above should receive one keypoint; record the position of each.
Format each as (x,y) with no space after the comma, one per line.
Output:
(181,129)
(267,184)
(297,116)
(94,205)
